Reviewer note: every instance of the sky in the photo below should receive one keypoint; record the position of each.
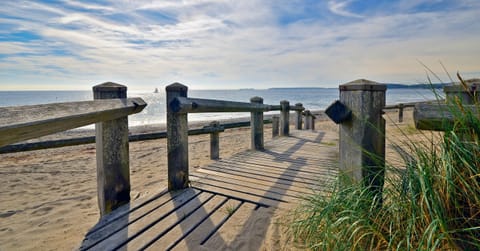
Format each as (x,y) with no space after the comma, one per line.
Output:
(144,44)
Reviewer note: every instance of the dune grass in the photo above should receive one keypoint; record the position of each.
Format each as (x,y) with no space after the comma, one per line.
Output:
(431,202)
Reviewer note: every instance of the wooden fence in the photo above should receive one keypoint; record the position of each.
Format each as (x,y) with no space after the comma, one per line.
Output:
(359,113)
(109,111)
(362,127)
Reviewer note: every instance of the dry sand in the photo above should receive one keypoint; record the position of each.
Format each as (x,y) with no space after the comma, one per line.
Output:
(48,197)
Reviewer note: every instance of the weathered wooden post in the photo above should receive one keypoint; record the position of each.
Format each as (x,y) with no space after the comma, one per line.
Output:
(308,120)
(113,170)
(465,95)
(313,122)
(215,141)
(469,94)
(298,121)
(256,119)
(275,125)
(177,140)
(284,118)
(400,113)
(362,138)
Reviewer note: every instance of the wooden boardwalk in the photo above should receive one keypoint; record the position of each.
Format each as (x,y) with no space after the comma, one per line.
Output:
(239,194)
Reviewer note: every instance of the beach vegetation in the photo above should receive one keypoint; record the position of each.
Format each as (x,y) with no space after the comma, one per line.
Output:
(430,202)
(230,209)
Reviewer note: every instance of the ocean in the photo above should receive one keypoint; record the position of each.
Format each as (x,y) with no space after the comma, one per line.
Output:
(155,112)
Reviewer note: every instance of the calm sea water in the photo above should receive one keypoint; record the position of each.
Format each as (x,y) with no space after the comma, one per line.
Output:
(154,113)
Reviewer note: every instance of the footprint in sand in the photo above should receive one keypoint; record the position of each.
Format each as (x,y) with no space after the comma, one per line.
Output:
(7,214)
(42,211)
(40,178)
(6,229)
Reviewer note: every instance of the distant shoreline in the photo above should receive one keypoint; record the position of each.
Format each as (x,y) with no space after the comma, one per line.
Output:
(389,86)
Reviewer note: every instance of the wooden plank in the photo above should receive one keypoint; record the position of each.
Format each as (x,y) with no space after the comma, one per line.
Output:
(305,162)
(271,198)
(289,148)
(264,173)
(153,223)
(209,227)
(281,179)
(260,169)
(262,180)
(189,224)
(20,123)
(310,148)
(266,187)
(298,165)
(295,185)
(239,194)
(306,148)
(162,227)
(197,105)
(309,178)
(120,219)
(133,206)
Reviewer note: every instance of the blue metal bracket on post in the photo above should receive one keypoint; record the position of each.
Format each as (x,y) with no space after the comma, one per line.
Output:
(338,112)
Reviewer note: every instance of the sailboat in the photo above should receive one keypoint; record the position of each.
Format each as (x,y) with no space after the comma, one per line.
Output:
(156,90)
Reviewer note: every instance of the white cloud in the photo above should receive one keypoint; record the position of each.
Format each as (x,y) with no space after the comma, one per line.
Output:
(339,8)
(88,6)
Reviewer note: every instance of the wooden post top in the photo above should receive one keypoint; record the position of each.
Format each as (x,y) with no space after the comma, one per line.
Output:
(109,86)
(363,85)
(256,99)
(285,105)
(176,87)
(109,90)
(215,123)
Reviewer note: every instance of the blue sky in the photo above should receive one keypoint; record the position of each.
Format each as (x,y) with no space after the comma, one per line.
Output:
(72,44)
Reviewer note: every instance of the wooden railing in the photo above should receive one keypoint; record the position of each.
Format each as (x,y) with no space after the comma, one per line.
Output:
(75,141)
(47,144)
(108,111)
(178,107)
(21,123)
(401,106)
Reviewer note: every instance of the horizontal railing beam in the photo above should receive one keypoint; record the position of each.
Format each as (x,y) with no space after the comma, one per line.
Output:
(397,106)
(196,105)
(131,138)
(411,104)
(297,108)
(438,117)
(19,123)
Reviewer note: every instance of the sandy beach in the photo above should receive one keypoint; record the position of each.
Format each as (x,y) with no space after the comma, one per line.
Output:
(49,196)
